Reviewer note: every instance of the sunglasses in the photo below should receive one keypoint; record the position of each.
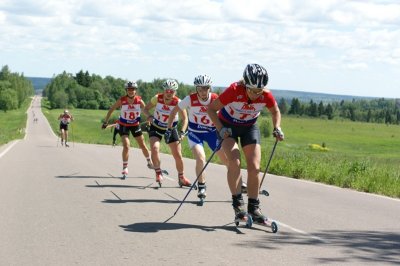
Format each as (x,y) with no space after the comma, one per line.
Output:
(255,92)
(203,88)
(169,91)
(131,88)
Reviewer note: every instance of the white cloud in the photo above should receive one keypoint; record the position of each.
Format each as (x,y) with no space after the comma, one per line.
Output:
(151,36)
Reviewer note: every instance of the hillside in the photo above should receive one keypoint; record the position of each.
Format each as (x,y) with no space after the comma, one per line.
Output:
(40,83)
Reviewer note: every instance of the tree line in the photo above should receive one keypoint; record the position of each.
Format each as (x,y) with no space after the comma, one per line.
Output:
(91,91)
(94,92)
(378,110)
(14,89)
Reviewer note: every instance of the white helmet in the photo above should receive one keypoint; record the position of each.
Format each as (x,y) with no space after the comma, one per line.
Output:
(170,84)
(66,111)
(203,81)
(255,76)
(130,84)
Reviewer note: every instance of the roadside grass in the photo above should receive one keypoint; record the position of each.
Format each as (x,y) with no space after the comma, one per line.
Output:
(360,156)
(13,123)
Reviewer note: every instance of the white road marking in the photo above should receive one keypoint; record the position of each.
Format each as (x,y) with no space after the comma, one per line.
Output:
(301,232)
(8,148)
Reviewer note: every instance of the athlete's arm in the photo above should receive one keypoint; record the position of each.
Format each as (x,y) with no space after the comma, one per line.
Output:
(116,105)
(172,115)
(147,109)
(212,110)
(184,117)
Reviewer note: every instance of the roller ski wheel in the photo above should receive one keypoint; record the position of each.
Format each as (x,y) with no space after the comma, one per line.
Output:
(267,223)
(243,218)
(201,201)
(164,172)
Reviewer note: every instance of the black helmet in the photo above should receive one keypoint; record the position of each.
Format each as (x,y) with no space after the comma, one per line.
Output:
(255,76)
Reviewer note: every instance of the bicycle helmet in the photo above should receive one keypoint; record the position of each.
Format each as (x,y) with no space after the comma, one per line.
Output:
(170,84)
(66,111)
(255,76)
(130,84)
(202,81)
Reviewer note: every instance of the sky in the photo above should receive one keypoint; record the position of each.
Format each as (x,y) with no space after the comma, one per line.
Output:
(347,47)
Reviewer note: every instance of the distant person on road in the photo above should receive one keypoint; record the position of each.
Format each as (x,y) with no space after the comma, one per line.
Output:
(239,107)
(129,122)
(163,103)
(65,118)
(201,129)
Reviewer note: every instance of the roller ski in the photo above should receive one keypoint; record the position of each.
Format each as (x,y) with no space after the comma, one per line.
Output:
(159,178)
(202,194)
(184,182)
(66,145)
(241,216)
(258,218)
(124,173)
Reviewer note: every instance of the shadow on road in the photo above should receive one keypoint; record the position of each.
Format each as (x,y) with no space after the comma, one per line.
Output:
(352,246)
(156,227)
(100,177)
(159,201)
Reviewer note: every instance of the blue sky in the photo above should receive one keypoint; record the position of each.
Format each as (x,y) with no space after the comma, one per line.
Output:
(345,47)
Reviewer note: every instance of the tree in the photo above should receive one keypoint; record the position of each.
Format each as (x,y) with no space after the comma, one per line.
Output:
(283,106)
(329,111)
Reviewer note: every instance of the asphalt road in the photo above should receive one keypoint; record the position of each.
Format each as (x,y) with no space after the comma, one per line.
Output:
(67,206)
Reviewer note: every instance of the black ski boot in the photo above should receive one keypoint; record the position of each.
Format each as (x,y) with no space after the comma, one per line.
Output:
(239,207)
(254,211)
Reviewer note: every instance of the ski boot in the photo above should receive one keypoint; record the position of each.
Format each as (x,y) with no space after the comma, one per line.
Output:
(159,178)
(259,218)
(62,142)
(202,194)
(240,212)
(66,145)
(124,173)
(184,182)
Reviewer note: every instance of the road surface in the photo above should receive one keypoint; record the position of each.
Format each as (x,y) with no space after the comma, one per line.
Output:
(67,206)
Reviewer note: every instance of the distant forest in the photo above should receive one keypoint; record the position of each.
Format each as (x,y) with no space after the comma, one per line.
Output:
(14,89)
(91,91)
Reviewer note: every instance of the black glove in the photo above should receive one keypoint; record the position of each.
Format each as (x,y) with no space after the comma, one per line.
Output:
(278,133)
(167,135)
(104,125)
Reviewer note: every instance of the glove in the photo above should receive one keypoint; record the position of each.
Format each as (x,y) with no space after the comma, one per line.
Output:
(167,135)
(225,130)
(278,133)
(183,133)
(104,125)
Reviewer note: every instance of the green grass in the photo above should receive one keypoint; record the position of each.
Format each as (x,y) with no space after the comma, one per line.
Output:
(13,123)
(360,156)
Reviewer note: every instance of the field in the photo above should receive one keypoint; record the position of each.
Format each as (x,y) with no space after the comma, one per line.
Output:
(13,123)
(360,156)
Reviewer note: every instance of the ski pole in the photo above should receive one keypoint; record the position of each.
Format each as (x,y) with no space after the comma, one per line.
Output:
(72,131)
(265,192)
(194,183)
